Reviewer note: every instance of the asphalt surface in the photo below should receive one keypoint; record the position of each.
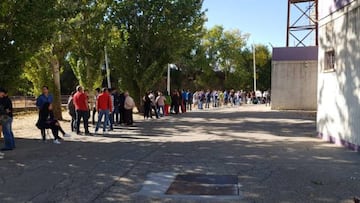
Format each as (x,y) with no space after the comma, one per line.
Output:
(275,156)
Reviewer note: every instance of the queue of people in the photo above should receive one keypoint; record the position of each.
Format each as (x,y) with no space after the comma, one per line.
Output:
(117,108)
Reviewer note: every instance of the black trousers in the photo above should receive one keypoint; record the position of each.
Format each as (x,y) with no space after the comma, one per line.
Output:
(82,115)
(128,117)
(122,112)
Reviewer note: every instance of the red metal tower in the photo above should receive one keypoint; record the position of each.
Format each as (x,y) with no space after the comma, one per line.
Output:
(302,22)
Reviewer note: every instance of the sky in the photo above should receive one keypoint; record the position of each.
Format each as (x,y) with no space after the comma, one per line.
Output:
(264,20)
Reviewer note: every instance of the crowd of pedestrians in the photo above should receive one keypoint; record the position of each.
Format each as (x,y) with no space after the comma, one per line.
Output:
(111,107)
(161,104)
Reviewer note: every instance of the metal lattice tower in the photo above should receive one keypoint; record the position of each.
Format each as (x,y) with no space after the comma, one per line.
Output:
(302,23)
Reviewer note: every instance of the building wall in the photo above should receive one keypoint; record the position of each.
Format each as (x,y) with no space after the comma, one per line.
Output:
(338,115)
(293,85)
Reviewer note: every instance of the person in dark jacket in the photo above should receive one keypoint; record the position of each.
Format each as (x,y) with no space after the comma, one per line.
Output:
(47,121)
(72,111)
(147,106)
(6,118)
(121,107)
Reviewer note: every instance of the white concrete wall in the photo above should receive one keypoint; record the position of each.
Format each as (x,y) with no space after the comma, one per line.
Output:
(338,115)
(293,85)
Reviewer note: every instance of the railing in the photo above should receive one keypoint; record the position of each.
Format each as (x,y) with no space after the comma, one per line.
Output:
(29,102)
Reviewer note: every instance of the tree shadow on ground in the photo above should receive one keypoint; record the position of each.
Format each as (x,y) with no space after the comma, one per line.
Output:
(113,167)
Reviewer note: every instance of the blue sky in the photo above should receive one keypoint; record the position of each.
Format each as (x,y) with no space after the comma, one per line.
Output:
(264,20)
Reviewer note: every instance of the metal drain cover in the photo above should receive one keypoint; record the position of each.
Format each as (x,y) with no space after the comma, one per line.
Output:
(189,187)
(202,184)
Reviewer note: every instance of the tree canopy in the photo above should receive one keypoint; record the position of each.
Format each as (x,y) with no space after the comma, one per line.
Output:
(53,42)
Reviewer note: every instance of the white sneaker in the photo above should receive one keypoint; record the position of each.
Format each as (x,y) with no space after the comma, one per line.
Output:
(57,142)
(67,135)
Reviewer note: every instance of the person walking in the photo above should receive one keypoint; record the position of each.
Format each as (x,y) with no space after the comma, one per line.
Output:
(103,107)
(6,118)
(82,109)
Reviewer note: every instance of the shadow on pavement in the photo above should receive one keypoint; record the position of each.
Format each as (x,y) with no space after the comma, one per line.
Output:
(109,169)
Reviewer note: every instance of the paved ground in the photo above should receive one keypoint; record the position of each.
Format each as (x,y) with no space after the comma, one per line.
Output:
(273,154)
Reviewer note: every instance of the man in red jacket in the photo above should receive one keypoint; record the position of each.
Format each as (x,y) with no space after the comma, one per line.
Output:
(103,107)
(81,106)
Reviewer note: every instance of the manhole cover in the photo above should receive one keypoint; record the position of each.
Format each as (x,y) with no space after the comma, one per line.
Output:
(192,187)
(202,184)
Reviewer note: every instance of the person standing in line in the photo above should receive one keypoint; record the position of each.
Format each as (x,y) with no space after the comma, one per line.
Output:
(207,99)
(153,104)
(103,107)
(6,118)
(72,111)
(121,107)
(190,100)
(111,110)
(129,105)
(184,101)
(175,102)
(45,97)
(167,103)
(160,102)
(82,109)
(147,106)
(116,106)
(97,92)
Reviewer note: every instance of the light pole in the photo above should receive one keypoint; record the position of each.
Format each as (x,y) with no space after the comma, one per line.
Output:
(254,61)
(168,79)
(107,68)
(170,66)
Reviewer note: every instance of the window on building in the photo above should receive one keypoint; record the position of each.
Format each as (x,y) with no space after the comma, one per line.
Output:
(329,61)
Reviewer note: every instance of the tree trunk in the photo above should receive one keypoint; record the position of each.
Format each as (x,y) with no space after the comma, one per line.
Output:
(55,65)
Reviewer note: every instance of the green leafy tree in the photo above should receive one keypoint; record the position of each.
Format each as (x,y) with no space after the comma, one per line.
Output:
(154,33)
(23,27)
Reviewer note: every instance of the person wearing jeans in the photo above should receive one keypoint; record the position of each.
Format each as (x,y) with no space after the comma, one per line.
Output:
(82,109)
(103,107)
(6,118)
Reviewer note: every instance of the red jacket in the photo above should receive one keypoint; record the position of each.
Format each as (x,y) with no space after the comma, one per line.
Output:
(80,101)
(104,102)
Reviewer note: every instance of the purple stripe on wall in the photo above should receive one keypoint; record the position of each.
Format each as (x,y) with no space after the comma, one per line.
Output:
(340,142)
(295,54)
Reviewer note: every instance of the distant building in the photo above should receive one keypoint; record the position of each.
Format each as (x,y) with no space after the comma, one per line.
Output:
(338,95)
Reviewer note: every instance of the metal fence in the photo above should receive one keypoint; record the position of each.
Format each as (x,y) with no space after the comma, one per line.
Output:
(29,102)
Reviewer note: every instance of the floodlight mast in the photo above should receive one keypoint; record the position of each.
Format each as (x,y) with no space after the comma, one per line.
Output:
(296,29)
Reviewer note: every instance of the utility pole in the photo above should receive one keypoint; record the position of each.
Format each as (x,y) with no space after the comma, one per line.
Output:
(168,79)
(107,68)
(254,61)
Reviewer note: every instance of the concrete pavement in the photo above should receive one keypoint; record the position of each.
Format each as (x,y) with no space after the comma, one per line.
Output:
(274,155)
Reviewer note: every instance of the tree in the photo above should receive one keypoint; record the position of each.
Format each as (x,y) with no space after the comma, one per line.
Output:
(23,27)
(154,33)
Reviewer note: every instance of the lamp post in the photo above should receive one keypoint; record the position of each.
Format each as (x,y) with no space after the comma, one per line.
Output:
(254,61)
(107,68)
(168,79)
